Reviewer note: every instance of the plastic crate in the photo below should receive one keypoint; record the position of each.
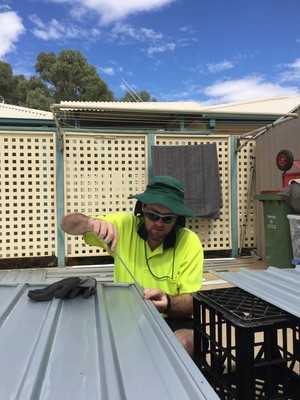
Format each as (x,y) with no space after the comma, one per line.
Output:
(246,348)
(294,220)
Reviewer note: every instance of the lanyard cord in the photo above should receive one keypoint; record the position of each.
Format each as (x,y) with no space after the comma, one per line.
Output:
(152,273)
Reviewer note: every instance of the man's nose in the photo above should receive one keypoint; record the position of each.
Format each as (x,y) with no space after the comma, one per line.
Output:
(160,222)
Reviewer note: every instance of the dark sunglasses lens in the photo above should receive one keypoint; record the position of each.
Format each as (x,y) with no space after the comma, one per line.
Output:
(152,215)
(167,219)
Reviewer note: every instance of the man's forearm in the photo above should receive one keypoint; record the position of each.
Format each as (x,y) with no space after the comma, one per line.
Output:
(181,306)
(76,224)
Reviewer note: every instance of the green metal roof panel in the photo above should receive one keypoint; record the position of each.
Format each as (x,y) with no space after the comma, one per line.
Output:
(114,345)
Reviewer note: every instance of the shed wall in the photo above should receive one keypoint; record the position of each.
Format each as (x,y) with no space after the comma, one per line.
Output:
(268,176)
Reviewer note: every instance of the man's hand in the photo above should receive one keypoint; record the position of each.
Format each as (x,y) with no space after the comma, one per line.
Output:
(78,224)
(181,305)
(158,297)
(106,231)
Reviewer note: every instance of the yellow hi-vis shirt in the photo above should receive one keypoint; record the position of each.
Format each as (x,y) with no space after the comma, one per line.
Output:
(176,266)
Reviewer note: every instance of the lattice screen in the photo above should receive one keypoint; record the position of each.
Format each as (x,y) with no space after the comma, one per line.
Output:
(246,185)
(27,194)
(100,173)
(214,234)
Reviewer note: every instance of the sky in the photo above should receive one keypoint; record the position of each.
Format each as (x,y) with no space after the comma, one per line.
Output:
(207,51)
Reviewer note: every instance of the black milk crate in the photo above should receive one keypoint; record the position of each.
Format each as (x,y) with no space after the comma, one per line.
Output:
(247,348)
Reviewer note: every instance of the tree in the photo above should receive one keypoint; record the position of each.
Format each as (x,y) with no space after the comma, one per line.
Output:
(137,97)
(67,77)
(71,78)
(37,94)
(16,89)
(6,81)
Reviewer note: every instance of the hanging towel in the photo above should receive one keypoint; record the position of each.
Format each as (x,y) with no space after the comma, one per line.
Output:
(196,166)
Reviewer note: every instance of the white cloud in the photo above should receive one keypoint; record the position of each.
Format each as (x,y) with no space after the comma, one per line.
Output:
(107,71)
(11,27)
(221,66)
(251,87)
(57,30)
(112,10)
(141,34)
(161,48)
(111,70)
(292,72)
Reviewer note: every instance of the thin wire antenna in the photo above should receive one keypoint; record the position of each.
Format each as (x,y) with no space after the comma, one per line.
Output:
(131,91)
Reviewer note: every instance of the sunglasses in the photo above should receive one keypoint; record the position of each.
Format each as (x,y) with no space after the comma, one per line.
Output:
(154,216)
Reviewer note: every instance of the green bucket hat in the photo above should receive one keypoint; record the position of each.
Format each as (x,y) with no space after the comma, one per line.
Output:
(165,191)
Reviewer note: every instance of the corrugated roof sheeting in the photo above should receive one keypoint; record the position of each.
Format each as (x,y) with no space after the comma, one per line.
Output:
(275,105)
(11,111)
(113,345)
(278,286)
(188,106)
(236,118)
(270,106)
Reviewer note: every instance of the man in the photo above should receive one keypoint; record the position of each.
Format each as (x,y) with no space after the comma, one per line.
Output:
(165,257)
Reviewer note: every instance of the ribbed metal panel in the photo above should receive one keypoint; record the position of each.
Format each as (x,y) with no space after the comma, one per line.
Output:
(113,345)
(11,111)
(102,273)
(271,106)
(280,287)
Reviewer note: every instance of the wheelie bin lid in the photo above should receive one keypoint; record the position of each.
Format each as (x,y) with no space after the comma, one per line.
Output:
(268,196)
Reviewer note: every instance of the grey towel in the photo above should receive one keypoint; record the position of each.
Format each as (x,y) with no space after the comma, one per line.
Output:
(197,168)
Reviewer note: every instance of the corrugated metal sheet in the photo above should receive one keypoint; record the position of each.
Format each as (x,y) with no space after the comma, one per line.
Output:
(113,345)
(271,106)
(103,273)
(11,111)
(278,286)
(188,106)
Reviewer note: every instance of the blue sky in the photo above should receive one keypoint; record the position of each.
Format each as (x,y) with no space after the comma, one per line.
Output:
(211,52)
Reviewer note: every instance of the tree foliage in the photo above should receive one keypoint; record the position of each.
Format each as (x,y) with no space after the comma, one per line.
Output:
(141,96)
(71,78)
(66,77)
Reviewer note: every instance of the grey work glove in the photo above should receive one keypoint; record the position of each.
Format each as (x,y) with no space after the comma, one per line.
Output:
(68,287)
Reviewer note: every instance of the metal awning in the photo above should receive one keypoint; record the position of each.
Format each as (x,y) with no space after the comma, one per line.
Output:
(113,345)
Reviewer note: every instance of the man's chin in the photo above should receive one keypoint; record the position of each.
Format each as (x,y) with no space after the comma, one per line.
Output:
(157,236)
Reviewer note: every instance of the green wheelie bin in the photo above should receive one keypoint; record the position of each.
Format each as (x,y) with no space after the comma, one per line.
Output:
(278,243)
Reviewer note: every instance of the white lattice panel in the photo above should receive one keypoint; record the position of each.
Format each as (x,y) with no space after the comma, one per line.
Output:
(100,173)
(27,194)
(214,234)
(246,185)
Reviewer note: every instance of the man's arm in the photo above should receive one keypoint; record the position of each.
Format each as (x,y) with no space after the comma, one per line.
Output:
(78,224)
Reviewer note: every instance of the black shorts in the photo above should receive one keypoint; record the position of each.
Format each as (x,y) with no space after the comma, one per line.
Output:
(180,323)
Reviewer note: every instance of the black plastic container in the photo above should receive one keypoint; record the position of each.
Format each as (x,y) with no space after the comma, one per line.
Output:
(247,348)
